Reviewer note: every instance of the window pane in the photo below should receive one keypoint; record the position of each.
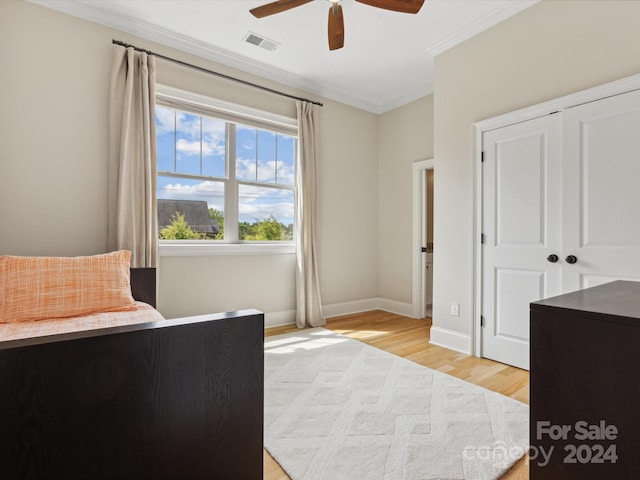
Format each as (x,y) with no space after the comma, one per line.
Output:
(165,138)
(265,213)
(190,209)
(246,153)
(213,147)
(188,143)
(266,156)
(286,156)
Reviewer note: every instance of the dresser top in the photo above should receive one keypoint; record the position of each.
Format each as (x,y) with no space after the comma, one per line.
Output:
(617,302)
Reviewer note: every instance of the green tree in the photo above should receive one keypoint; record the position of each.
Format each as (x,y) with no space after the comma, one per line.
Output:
(179,229)
(218,215)
(266,229)
(245,229)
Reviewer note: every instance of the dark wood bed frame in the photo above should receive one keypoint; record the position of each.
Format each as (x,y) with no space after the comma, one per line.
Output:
(179,398)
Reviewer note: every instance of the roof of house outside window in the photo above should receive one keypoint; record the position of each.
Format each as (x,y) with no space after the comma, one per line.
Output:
(196,214)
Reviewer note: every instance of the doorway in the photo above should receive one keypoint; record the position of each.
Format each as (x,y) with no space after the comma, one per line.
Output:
(428,242)
(423,245)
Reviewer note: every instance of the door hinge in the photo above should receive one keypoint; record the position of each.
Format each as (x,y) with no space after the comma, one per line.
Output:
(423,249)
(481,321)
(482,238)
(482,156)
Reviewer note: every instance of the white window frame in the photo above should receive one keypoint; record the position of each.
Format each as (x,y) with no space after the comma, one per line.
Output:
(175,98)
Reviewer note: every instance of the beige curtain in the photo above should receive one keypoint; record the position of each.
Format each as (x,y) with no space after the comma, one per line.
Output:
(308,303)
(132,157)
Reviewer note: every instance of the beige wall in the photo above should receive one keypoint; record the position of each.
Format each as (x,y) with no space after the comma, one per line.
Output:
(405,135)
(53,168)
(550,50)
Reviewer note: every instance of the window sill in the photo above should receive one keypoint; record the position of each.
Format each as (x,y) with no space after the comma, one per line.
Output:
(180,249)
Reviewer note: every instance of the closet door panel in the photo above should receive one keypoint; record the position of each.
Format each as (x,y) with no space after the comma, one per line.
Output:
(601,185)
(521,225)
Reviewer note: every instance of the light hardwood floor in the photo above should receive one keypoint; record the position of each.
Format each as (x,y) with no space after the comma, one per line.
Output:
(409,338)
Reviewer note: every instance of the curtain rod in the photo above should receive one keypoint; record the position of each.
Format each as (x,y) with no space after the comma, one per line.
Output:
(211,72)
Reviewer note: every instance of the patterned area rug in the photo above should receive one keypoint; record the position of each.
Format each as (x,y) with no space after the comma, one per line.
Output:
(336,408)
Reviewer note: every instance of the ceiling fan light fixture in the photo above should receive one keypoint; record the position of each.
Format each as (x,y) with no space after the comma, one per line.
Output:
(336,21)
(335,27)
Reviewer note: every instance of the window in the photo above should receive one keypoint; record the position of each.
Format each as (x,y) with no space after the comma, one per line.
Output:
(225,173)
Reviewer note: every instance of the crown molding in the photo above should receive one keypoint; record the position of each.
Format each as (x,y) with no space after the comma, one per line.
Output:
(500,14)
(408,98)
(93,13)
(147,31)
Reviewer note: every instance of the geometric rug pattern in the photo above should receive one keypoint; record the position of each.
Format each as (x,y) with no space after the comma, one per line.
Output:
(336,408)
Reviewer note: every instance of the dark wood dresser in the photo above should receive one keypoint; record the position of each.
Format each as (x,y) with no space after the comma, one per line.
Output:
(585,384)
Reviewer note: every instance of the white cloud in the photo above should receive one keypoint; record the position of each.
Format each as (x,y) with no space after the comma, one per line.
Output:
(213,127)
(165,119)
(249,146)
(246,170)
(282,211)
(211,192)
(189,125)
(261,202)
(201,188)
(187,147)
(285,174)
(193,147)
(255,202)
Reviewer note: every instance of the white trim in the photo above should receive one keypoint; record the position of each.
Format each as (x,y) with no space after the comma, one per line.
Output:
(450,339)
(417,290)
(476,329)
(92,12)
(393,306)
(288,317)
(222,106)
(347,308)
(366,305)
(279,319)
(202,247)
(610,89)
(559,104)
(423,91)
(500,14)
(266,120)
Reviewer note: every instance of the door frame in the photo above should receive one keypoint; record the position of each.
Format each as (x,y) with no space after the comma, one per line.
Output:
(559,104)
(419,167)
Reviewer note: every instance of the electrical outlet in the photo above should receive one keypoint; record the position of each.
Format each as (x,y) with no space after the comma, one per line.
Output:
(455,309)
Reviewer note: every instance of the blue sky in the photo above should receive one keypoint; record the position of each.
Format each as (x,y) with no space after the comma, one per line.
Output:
(191,144)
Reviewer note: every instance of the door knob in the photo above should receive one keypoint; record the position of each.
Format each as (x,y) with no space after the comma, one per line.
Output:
(553,258)
(571,259)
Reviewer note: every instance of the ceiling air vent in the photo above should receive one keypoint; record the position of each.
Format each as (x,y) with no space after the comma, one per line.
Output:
(261,42)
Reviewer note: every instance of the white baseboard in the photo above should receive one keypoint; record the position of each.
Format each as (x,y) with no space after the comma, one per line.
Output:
(443,337)
(278,319)
(288,317)
(394,306)
(347,308)
(365,305)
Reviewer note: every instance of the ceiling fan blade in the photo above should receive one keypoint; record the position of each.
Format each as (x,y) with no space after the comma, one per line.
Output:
(336,27)
(404,6)
(276,7)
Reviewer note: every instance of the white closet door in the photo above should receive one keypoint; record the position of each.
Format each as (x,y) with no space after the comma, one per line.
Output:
(522,229)
(601,181)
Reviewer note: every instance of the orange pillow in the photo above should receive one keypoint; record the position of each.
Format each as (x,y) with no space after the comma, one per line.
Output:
(35,288)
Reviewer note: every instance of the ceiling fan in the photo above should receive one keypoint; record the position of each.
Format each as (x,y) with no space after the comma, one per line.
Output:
(336,21)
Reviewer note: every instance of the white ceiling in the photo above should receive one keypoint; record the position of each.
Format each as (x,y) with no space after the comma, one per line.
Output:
(387,59)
